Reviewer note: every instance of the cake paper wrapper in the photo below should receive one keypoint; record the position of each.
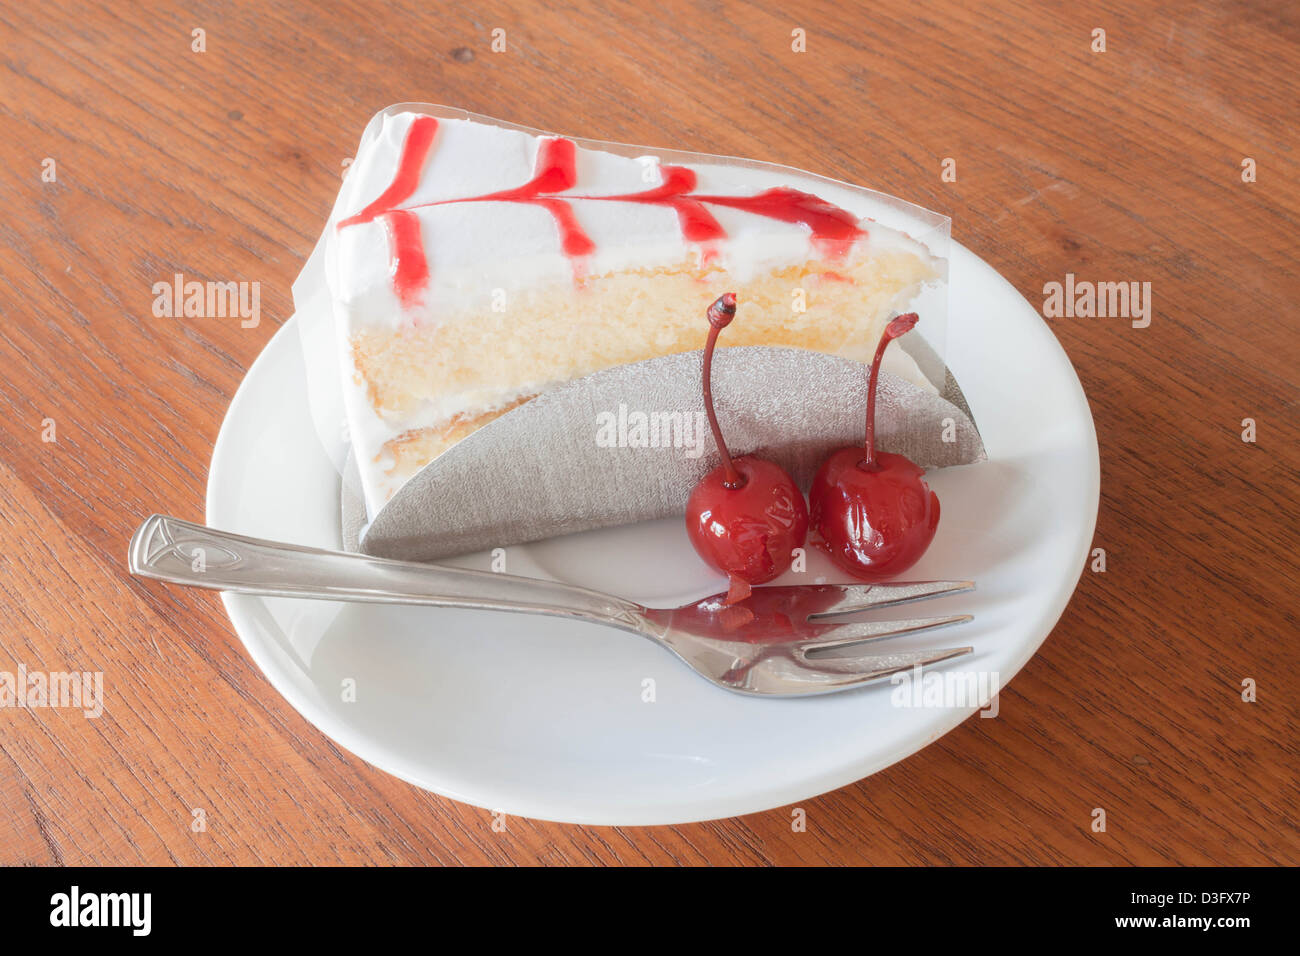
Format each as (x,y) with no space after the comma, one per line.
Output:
(629,443)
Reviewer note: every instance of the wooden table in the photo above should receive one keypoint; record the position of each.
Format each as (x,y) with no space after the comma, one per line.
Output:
(1123,165)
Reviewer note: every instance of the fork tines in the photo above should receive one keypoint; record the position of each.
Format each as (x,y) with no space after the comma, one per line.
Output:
(863,597)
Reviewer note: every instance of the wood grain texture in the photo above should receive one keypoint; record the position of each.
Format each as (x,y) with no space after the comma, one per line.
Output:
(1124,165)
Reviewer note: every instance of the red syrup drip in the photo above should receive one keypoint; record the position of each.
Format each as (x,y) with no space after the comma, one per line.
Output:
(697,223)
(832,230)
(407,263)
(415,150)
(555,172)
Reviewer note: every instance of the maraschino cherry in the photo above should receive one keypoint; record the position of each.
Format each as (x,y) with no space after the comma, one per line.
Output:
(746,516)
(873,510)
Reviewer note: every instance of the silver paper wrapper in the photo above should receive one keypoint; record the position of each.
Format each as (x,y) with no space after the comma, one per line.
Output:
(577,457)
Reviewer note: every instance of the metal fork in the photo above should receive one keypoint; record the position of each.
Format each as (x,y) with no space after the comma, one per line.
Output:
(779,642)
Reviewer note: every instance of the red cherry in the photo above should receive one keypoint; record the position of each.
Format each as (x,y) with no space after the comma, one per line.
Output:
(748,530)
(746,516)
(873,511)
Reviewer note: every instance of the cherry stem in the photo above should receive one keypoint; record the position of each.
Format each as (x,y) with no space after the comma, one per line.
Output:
(893,330)
(720,315)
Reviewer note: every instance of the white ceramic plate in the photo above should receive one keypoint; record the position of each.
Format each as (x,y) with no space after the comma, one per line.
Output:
(546,718)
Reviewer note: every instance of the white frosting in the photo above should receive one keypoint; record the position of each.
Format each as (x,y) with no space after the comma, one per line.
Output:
(475,248)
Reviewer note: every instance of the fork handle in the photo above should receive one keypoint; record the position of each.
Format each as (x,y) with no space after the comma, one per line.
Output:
(168,549)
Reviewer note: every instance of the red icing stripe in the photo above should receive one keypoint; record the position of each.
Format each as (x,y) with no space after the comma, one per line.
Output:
(415,150)
(408,264)
(833,229)
(575,243)
(697,223)
(554,172)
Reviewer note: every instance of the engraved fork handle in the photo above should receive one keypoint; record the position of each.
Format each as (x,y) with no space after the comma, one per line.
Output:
(168,549)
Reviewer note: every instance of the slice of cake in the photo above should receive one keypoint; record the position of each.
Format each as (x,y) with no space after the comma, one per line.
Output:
(473,266)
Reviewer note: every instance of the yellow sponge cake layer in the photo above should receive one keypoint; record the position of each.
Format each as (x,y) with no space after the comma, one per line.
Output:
(560,333)
(485,365)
